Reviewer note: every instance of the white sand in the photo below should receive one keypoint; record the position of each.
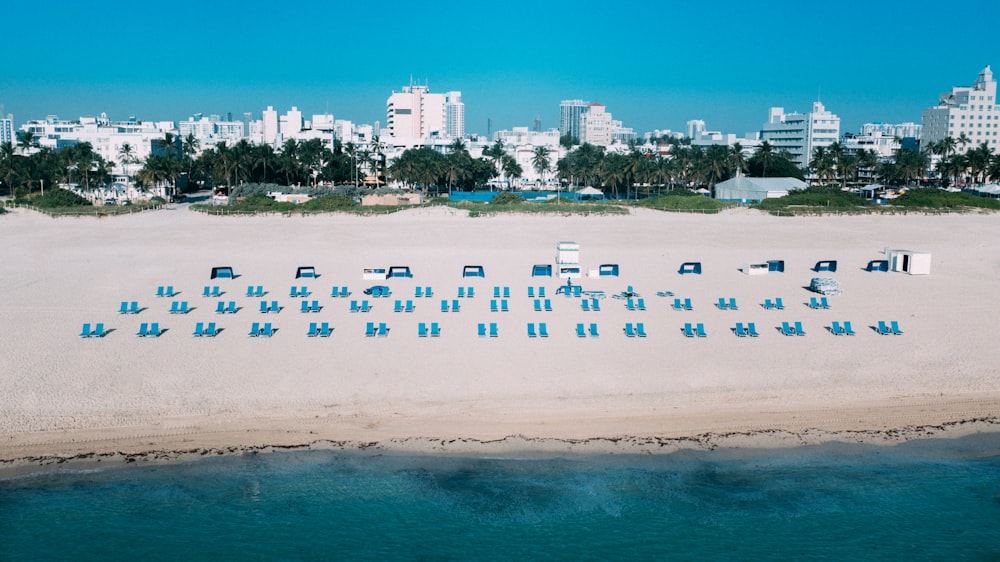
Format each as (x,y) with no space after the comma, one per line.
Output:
(65,395)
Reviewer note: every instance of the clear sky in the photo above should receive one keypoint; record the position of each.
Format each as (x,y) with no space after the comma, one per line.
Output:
(654,64)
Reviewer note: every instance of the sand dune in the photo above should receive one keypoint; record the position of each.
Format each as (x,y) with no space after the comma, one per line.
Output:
(64,395)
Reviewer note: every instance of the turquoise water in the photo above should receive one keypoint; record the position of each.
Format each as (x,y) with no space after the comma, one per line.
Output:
(826,502)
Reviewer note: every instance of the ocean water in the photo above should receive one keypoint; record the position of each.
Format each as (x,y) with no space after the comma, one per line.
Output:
(823,502)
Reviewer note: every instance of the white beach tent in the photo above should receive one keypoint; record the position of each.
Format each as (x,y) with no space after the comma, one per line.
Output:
(744,189)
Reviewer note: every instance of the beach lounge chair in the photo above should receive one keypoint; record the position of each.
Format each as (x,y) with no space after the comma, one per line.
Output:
(629,330)
(593,330)
(231,309)
(184,307)
(175,307)
(688,330)
(160,291)
(313,330)
(124,308)
(220,308)
(538,305)
(435,330)
(216,292)
(344,293)
(798,329)
(470,292)
(418,292)
(786,329)
(493,330)
(848,330)
(732,304)
(325,330)
(577,290)
(259,292)
(548,305)
(721,304)
(254,330)
(444,305)
(504,307)
(315,307)
(154,330)
(493,304)
(133,307)
(461,292)
(293,292)
(143,330)
(664,293)
(169,292)
(206,291)
(595,305)
(365,307)
(303,291)
(264,309)
(506,292)
(370,330)
(778,304)
(305,306)
(455,306)
(334,292)
(267,331)
(250,291)
(813,304)
(397,306)
(823,303)
(531,292)
(199,330)
(752,330)
(481,330)
(640,330)
(699,330)
(835,328)
(210,330)
(409,306)
(740,331)
(640,304)
(541,292)
(581,332)
(678,305)
(585,305)
(383,330)
(275,308)
(422,330)
(98,331)
(630,304)
(894,328)
(768,305)
(882,329)
(543,330)
(496,291)
(531,330)
(428,292)
(687,304)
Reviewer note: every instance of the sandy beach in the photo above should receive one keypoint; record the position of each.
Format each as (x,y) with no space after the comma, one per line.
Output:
(65,396)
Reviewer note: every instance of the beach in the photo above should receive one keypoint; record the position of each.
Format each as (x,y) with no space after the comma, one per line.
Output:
(66,396)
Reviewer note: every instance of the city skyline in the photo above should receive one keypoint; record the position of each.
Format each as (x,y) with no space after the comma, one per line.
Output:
(655,68)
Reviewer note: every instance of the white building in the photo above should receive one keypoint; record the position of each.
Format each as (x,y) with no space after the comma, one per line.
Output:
(972,111)
(269,126)
(598,128)
(289,124)
(106,137)
(800,134)
(883,138)
(415,116)
(209,131)
(7,133)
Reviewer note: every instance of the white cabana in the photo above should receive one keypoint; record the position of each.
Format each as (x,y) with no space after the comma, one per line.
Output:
(745,190)
(908,261)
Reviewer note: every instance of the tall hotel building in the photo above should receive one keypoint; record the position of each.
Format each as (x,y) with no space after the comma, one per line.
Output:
(799,134)
(972,111)
(571,117)
(415,114)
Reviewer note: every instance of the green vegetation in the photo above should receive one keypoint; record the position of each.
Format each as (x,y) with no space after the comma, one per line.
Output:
(553,206)
(816,199)
(684,200)
(54,198)
(937,199)
(507,198)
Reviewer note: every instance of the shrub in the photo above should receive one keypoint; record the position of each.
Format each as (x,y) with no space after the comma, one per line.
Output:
(932,198)
(328,203)
(507,198)
(56,198)
(815,197)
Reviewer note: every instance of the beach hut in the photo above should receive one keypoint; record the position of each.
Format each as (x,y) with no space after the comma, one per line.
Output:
(567,253)
(541,270)
(746,190)
(569,271)
(776,265)
(608,270)
(399,271)
(908,261)
(306,272)
(222,272)
(473,271)
(589,193)
(755,268)
(373,273)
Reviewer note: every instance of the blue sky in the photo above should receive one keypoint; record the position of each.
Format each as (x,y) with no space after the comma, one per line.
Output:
(654,64)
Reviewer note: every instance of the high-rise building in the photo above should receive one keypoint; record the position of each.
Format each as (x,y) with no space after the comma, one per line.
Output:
(7,133)
(454,115)
(800,134)
(570,114)
(414,115)
(970,111)
(290,123)
(595,125)
(269,126)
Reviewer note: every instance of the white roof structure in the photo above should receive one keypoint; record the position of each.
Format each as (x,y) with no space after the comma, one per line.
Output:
(742,188)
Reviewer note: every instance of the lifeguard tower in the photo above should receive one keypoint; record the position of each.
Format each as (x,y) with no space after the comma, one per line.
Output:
(568,260)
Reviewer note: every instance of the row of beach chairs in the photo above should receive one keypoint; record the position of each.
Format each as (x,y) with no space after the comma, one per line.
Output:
(547,305)
(310,306)
(466,292)
(692,330)
(269,307)
(209,331)
(399,307)
(503,306)
(129,308)
(97,332)
(213,291)
(179,307)
(817,304)
(423,292)
(481,330)
(298,292)
(167,291)
(435,330)
(498,291)
(149,330)
(723,304)
(591,304)
(682,305)
(256,330)
(342,292)
(635,304)
(322,330)
(891,330)
(532,292)
(582,333)
(381,331)
(543,330)
(364,307)
(635,330)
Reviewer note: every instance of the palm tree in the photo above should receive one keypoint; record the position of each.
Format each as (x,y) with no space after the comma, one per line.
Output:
(836,152)
(765,153)
(495,154)
(541,161)
(7,165)
(737,159)
(963,140)
(822,163)
(511,169)
(26,141)
(717,159)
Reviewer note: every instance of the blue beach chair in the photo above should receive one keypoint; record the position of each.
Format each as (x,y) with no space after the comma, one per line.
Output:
(199,330)
(383,330)
(629,330)
(313,330)
(435,330)
(504,306)
(325,330)
(422,330)
(798,329)
(531,330)
(699,330)
(481,330)
(786,329)
(640,330)
(581,331)
(593,330)
(688,330)
(752,330)
(254,330)
(894,328)
(370,330)
(595,305)
(543,330)
(124,308)
(143,330)
(154,330)
(211,330)
(267,331)
(493,330)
